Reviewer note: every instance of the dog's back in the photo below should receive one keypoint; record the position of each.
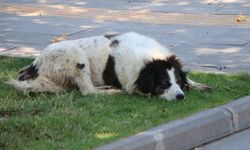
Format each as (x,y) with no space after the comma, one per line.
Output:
(66,64)
(131,53)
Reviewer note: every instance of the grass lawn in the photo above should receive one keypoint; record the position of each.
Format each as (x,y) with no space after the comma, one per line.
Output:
(71,121)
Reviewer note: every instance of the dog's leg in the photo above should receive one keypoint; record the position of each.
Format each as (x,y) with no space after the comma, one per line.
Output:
(84,82)
(199,86)
(40,84)
(85,86)
(130,87)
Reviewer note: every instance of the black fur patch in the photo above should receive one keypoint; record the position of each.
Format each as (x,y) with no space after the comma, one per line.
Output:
(28,73)
(181,78)
(110,36)
(114,43)
(154,78)
(80,66)
(109,75)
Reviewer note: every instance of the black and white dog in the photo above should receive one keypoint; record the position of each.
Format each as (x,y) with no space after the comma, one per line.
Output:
(129,61)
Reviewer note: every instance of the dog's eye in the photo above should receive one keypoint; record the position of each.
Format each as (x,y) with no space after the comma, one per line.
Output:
(165,85)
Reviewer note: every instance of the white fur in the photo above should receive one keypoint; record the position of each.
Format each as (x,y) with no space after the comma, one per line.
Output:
(57,64)
(133,51)
(58,61)
(93,52)
(174,89)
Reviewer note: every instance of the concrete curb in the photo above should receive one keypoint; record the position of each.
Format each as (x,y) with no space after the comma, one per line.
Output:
(192,131)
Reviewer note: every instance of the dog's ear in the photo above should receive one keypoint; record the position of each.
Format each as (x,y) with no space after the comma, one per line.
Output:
(174,61)
(145,82)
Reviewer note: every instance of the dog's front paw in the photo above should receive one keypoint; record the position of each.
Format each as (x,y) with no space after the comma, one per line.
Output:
(204,87)
(88,91)
(109,91)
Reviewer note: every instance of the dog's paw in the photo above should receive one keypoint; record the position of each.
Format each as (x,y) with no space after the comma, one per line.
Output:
(88,92)
(109,91)
(204,87)
(105,87)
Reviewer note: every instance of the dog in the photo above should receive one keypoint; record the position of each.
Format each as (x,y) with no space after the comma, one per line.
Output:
(130,61)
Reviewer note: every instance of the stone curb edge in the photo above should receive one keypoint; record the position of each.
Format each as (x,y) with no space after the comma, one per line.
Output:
(191,131)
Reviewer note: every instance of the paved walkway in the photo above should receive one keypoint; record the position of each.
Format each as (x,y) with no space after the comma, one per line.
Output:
(238,141)
(204,33)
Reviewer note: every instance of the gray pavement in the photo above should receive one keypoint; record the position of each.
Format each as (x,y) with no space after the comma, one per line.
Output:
(238,141)
(204,33)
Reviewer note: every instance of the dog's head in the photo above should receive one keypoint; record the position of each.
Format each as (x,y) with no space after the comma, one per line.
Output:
(164,78)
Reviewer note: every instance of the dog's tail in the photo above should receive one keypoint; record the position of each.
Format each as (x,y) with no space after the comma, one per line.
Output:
(39,84)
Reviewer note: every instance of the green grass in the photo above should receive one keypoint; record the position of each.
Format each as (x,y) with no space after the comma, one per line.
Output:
(71,121)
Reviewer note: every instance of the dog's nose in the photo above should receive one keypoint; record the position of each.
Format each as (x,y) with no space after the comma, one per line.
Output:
(180,96)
